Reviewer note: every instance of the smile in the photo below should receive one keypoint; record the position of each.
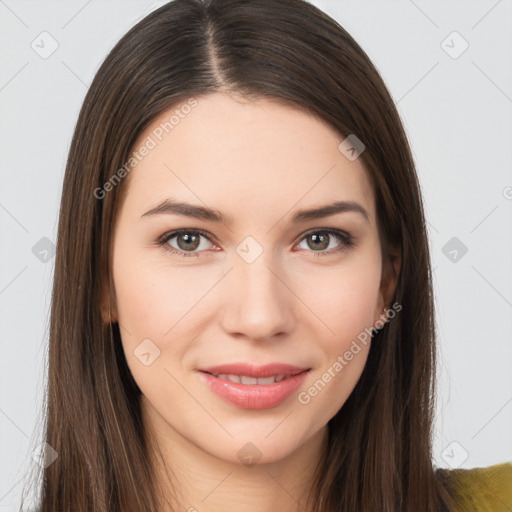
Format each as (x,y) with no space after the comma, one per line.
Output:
(248,392)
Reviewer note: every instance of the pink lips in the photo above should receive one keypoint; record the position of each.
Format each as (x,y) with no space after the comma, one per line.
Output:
(254,396)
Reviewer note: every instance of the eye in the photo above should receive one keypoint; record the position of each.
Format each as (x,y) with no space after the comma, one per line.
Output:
(321,240)
(187,241)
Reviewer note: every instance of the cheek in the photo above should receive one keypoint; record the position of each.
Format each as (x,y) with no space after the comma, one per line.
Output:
(151,298)
(159,303)
(141,307)
(345,298)
(148,309)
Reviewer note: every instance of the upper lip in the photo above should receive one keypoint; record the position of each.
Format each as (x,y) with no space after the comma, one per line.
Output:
(251,370)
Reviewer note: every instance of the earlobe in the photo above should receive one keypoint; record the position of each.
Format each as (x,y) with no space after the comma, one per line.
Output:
(107,316)
(389,280)
(108,310)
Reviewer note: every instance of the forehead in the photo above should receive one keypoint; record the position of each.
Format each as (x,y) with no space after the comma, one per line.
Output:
(253,155)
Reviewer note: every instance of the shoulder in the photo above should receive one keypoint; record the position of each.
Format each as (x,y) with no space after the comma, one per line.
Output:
(487,489)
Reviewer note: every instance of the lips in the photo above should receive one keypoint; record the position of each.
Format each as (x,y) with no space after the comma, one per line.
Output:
(254,387)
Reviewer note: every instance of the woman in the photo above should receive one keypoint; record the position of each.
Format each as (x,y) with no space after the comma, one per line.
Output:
(242,313)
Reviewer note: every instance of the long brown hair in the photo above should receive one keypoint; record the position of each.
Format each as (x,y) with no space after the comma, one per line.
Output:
(380,442)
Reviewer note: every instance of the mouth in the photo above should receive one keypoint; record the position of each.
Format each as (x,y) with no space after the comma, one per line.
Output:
(250,374)
(254,387)
(252,381)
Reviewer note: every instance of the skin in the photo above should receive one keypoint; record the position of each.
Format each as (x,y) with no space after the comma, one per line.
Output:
(257,162)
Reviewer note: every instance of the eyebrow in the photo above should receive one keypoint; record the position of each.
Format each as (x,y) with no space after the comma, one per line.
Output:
(170,207)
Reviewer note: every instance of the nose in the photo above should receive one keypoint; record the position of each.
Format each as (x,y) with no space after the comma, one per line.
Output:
(258,303)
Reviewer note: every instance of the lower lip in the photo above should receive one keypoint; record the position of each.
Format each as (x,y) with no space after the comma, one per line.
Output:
(257,396)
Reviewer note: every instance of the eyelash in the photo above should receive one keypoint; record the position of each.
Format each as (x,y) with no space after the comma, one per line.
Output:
(347,241)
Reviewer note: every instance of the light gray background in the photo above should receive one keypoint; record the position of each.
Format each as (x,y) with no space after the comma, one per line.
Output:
(457,112)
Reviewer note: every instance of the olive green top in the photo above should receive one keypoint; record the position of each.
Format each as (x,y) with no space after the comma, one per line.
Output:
(487,489)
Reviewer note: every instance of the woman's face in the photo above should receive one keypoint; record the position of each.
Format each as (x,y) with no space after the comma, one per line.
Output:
(264,285)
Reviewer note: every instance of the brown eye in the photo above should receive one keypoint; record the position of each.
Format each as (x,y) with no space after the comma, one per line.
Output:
(185,242)
(188,242)
(318,241)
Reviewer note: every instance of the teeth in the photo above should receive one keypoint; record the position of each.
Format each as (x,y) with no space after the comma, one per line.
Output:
(251,381)
(248,380)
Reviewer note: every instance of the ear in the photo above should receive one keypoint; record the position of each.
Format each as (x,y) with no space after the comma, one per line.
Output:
(108,307)
(390,272)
